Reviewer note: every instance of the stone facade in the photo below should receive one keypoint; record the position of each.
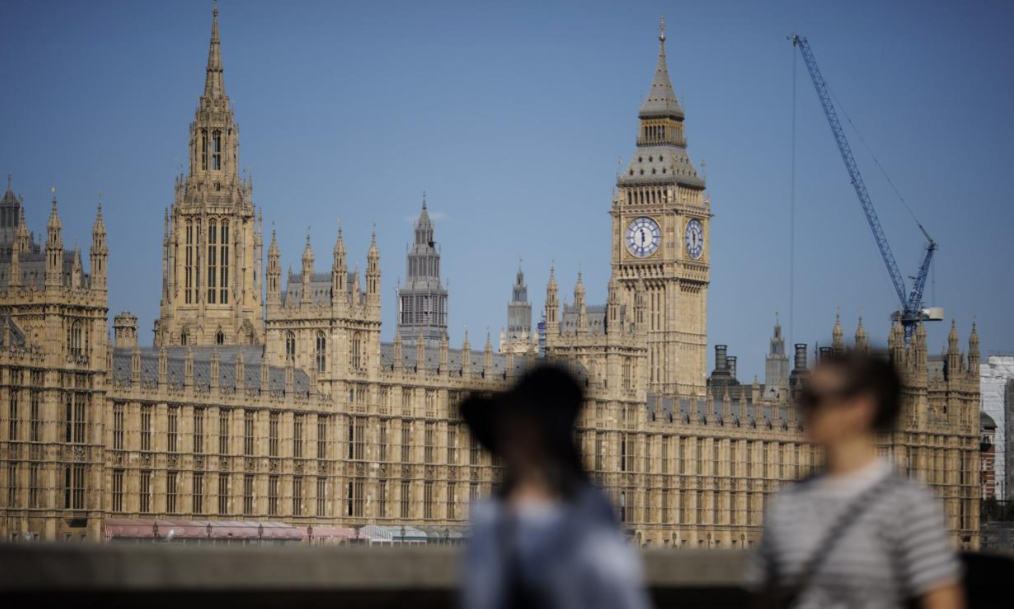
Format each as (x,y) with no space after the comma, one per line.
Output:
(289,407)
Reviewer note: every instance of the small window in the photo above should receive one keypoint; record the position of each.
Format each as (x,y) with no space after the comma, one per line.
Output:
(220,337)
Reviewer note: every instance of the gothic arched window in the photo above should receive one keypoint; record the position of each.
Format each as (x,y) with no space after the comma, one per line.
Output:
(75,344)
(220,337)
(224,263)
(321,353)
(290,345)
(357,351)
(212,261)
(188,263)
(216,150)
(204,149)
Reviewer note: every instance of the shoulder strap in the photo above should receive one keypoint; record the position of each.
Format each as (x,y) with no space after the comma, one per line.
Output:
(846,519)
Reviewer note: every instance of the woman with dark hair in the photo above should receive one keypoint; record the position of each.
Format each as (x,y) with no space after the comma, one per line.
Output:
(857,534)
(547,538)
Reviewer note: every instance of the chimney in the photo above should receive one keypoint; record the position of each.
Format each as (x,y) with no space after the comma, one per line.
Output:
(721,361)
(731,364)
(800,356)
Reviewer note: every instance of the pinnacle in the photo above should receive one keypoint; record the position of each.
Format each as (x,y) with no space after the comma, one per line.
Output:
(214,84)
(661,98)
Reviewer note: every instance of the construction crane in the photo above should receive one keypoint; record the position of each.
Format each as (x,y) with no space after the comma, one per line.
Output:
(912,311)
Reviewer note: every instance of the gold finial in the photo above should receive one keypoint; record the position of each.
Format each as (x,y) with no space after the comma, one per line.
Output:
(661,28)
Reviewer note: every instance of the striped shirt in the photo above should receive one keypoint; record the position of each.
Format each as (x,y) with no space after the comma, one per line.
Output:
(898,547)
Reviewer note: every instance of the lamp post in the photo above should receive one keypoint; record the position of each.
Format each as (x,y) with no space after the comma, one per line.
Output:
(447,536)
(742,541)
(309,533)
(403,534)
(260,534)
(154,530)
(208,530)
(709,541)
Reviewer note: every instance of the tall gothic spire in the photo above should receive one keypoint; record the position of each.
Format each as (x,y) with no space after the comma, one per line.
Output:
(661,100)
(214,83)
(423,297)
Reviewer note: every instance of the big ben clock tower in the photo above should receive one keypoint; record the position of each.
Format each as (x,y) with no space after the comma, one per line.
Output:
(661,228)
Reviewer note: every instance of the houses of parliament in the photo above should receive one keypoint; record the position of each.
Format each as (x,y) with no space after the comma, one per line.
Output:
(272,399)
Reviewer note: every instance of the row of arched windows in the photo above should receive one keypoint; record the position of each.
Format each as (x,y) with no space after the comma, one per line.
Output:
(215,149)
(357,350)
(217,261)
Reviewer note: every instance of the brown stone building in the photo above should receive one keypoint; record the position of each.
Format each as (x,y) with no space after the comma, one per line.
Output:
(271,402)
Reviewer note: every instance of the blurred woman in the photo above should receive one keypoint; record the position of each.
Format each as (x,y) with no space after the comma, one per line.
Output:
(548,538)
(857,534)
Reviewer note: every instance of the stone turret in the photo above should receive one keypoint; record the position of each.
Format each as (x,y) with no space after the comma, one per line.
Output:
(973,352)
(552,304)
(579,304)
(307,291)
(837,334)
(274,272)
(339,272)
(54,249)
(99,253)
(373,273)
(613,322)
(466,356)
(125,330)
(862,342)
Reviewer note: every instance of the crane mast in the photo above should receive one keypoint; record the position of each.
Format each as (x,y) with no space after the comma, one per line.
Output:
(911,312)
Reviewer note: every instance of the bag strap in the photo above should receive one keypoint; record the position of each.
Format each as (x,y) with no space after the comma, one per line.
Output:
(846,518)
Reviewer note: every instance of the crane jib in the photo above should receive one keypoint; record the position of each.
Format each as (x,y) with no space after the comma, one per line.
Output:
(911,305)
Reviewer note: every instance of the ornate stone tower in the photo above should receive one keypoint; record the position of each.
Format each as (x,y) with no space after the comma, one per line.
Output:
(776,366)
(211,258)
(660,236)
(422,301)
(518,336)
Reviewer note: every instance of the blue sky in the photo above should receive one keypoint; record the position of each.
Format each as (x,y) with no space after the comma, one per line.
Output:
(511,116)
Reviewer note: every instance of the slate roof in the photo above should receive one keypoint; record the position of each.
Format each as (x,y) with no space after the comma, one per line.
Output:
(455,358)
(320,286)
(176,356)
(661,100)
(596,318)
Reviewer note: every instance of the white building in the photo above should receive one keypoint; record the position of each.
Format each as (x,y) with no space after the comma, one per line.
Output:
(994,376)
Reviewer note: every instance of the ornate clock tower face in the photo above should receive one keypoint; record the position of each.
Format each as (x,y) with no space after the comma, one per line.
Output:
(643,237)
(695,239)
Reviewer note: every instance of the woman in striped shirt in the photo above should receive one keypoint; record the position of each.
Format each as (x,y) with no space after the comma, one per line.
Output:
(858,534)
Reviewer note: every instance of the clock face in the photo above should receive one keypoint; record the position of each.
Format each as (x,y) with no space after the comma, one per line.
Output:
(643,237)
(695,239)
